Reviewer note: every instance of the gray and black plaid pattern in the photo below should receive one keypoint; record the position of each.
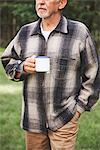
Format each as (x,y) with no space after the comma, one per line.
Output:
(51,99)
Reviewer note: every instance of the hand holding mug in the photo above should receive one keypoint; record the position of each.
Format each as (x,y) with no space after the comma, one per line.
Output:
(30,65)
(37,64)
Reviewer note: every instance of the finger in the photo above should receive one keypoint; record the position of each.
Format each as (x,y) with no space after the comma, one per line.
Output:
(29,64)
(30,59)
(29,69)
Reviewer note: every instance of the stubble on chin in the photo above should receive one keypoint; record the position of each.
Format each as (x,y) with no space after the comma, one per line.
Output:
(43,16)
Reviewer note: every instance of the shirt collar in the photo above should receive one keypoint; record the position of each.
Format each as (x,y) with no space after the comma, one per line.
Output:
(36,29)
(61,27)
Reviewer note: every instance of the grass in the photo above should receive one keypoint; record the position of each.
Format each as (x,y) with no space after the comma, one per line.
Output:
(89,131)
(12,136)
(1,49)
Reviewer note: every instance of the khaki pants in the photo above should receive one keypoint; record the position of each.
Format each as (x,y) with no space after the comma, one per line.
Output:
(63,139)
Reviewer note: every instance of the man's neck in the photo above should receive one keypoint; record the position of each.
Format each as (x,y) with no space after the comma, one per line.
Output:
(50,23)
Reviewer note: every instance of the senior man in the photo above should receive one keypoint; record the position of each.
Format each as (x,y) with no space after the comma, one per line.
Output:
(53,101)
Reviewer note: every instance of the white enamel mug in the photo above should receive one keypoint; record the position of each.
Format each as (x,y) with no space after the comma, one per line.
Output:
(42,64)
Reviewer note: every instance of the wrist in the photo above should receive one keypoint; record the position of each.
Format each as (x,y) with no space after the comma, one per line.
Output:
(78,113)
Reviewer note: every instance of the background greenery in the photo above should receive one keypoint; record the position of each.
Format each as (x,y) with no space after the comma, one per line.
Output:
(11,135)
(87,11)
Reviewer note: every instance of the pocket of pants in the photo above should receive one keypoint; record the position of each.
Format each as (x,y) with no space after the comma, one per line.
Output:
(75,118)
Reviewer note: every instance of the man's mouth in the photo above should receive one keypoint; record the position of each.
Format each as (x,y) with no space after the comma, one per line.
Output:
(43,9)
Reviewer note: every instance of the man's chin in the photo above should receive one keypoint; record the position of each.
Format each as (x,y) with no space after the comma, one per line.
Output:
(42,16)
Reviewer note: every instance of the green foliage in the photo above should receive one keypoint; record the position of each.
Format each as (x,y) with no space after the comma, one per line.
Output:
(86,11)
(24,12)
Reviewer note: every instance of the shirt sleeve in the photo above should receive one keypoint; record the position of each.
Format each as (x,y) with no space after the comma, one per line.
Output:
(89,92)
(12,61)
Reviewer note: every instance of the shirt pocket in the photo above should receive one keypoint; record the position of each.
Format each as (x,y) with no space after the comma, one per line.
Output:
(65,67)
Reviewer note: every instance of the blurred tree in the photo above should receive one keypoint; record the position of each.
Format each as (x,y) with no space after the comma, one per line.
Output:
(24,12)
(88,12)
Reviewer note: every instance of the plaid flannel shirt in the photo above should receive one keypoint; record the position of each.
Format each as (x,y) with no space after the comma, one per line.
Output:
(51,99)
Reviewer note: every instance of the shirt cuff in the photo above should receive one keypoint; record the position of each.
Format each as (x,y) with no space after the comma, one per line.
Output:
(80,109)
(19,71)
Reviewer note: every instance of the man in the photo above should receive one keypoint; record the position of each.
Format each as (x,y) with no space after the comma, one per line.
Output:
(53,101)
